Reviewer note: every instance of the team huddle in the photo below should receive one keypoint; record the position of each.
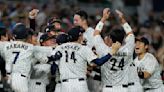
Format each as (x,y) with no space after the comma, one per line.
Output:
(30,57)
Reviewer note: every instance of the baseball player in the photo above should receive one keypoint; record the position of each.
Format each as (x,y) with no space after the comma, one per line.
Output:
(18,56)
(39,77)
(148,67)
(115,72)
(81,19)
(60,39)
(73,63)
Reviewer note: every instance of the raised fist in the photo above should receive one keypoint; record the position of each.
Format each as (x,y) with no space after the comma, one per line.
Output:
(33,13)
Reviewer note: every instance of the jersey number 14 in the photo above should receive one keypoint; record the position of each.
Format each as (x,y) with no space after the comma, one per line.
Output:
(72,56)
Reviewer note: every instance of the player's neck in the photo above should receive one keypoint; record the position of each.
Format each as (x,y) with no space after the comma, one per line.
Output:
(85,27)
(141,56)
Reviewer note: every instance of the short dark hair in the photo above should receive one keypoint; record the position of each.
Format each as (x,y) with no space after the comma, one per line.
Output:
(3,31)
(143,40)
(82,14)
(117,35)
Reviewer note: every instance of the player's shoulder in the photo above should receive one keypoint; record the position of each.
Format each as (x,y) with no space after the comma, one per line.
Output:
(150,58)
(149,55)
(89,30)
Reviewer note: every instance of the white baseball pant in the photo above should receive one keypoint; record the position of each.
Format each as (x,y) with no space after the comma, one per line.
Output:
(160,89)
(58,87)
(135,87)
(37,86)
(74,85)
(19,82)
(120,88)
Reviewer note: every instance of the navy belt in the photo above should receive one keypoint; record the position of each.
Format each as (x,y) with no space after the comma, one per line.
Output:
(23,75)
(146,89)
(66,80)
(131,84)
(123,85)
(58,82)
(38,83)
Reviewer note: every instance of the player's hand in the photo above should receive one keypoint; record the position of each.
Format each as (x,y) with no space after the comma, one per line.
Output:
(106,14)
(115,47)
(120,16)
(33,13)
(55,57)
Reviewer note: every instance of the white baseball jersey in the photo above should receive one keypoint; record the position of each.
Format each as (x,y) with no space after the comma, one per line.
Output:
(150,64)
(19,55)
(73,63)
(88,36)
(115,71)
(39,78)
(134,80)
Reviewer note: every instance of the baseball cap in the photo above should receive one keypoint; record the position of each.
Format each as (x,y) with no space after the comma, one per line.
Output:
(45,37)
(75,32)
(143,39)
(53,20)
(62,38)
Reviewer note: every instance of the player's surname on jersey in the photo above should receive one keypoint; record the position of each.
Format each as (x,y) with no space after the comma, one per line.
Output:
(21,46)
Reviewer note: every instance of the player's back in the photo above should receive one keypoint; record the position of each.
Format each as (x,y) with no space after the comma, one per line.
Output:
(19,55)
(115,72)
(73,63)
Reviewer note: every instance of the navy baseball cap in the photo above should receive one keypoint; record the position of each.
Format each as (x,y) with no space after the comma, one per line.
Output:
(46,37)
(62,38)
(75,33)
(142,39)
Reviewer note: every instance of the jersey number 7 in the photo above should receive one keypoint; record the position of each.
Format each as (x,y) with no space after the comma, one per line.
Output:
(16,56)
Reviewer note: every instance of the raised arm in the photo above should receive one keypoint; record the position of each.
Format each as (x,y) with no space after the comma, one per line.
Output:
(99,44)
(130,38)
(32,15)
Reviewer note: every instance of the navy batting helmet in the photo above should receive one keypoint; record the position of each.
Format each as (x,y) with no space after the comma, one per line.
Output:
(20,31)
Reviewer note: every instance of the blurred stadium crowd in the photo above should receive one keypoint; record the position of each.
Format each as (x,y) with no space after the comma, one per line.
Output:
(145,16)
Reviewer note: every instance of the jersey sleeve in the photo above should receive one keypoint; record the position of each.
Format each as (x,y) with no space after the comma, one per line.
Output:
(88,54)
(41,53)
(151,63)
(101,48)
(130,39)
